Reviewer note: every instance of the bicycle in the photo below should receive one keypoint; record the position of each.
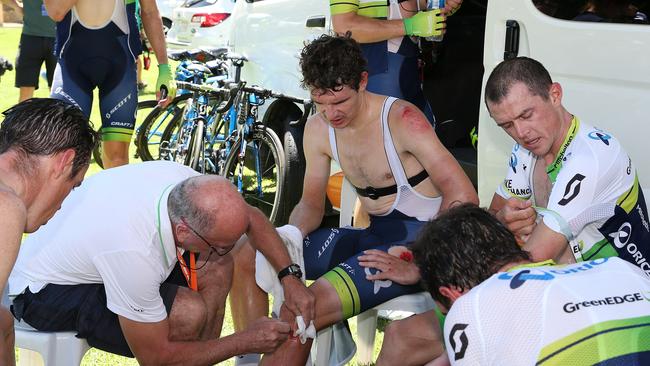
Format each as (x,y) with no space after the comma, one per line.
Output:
(160,123)
(173,142)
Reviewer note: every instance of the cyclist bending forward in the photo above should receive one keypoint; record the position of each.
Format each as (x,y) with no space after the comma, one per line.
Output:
(97,43)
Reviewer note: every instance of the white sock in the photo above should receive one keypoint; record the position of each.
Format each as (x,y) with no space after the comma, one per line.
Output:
(248,359)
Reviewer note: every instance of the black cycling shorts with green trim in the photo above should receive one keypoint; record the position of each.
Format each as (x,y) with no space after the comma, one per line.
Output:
(331,253)
(99,59)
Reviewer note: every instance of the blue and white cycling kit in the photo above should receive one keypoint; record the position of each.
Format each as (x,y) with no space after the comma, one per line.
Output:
(332,252)
(589,313)
(392,64)
(100,57)
(596,201)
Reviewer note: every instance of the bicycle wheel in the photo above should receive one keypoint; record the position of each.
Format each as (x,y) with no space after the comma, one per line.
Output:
(258,170)
(174,140)
(149,136)
(143,109)
(196,150)
(294,173)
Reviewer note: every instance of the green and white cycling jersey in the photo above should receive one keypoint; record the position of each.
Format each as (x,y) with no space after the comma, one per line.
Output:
(543,314)
(596,201)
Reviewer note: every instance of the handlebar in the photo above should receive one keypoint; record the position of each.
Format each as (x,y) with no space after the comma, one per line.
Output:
(231,90)
(198,54)
(265,93)
(235,58)
(204,88)
(204,54)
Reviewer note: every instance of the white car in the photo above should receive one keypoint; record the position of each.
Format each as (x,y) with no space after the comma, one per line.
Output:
(199,23)
(165,8)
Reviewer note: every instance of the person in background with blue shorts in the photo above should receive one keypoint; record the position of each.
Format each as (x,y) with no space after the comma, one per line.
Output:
(404,176)
(387,34)
(97,44)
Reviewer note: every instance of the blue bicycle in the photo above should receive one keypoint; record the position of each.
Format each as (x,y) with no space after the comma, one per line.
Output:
(161,123)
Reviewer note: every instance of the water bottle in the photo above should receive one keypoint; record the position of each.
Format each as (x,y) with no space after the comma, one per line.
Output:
(431,5)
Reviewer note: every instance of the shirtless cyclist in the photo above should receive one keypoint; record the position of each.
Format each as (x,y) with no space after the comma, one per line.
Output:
(403,174)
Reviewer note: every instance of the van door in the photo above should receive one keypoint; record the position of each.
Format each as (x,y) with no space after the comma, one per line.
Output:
(271,34)
(604,69)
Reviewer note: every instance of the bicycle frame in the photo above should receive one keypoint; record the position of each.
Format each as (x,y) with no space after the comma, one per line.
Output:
(249,107)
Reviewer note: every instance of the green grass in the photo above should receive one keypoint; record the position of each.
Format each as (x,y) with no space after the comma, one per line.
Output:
(9,38)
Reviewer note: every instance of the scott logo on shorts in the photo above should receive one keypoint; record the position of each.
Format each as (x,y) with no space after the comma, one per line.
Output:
(328,241)
(118,106)
(59,91)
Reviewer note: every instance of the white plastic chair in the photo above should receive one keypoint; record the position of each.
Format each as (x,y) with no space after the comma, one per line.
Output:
(366,321)
(55,348)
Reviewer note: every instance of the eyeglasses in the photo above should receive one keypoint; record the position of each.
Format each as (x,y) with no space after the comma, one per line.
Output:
(220,251)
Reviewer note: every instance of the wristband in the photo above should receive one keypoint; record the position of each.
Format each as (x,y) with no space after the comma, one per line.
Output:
(292,269)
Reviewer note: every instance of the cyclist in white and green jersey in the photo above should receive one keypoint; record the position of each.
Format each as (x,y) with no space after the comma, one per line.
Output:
(506,310)
(578,178)
(571,192)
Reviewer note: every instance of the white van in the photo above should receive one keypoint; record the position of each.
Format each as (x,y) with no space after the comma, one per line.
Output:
(604,69)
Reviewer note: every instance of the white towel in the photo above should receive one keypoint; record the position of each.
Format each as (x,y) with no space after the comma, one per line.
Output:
(304,332)
(267,278)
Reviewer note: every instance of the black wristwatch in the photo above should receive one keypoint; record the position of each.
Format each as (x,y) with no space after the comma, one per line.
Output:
(293,269)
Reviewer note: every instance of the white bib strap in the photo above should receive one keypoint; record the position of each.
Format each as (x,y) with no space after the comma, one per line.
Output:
(393,158)
(332,136)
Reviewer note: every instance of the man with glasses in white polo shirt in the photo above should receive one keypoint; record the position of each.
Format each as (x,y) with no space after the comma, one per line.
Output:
(115,267)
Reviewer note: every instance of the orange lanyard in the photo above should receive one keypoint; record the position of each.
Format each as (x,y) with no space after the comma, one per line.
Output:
(188,272)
